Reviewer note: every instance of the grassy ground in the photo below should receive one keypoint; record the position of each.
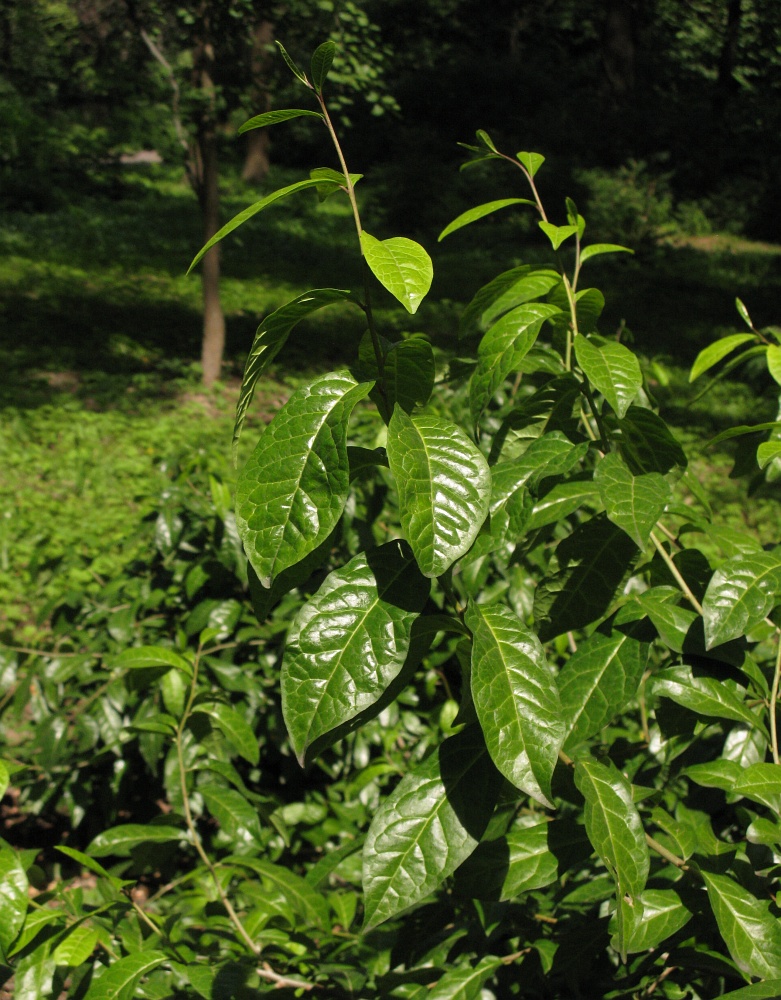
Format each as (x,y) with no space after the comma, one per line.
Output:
(100,334)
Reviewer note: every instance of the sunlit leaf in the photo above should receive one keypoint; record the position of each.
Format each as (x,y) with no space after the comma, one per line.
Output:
(704,695)
(400,265)
(464,982)
(121,840)
(557,234)
(502,869)
(321,63)
(532,161)
(13,897)
(741,593)
(599,248)
(234,727)
(77,947)
(516,698)
(274,117)
(752,934)
(612,369)
(479,212)
(713,353)
(634,503)
(121,977)
(650,919)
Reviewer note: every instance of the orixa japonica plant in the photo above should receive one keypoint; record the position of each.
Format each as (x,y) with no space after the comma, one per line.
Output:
(598,812)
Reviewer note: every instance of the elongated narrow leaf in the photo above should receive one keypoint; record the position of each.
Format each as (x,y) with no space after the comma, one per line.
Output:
(479,212)
(671,620)
(634,503)
(274,117)
(90,864)
(444,487)
(490,293)
(531,286)
(613,825)
(713,353)
(120,840)
(234,727)
(647,444)
(564,499)
(650,919)
(723,774)
(704,695)
(502,869)
(557,234)
(516,699)
(270,337)
(291,65)
(464,982)
(752,934)
(770,989)
(77,947)
(5,779)
(303,897)
(551,454)
(248,213)
(293,489)
(13,897)
(235,815)
(349,641)
(321,63)
(599,680)
(761,783)
(400,265)
(741,593)
(142,657)
(428,825)
(503,348)
(599,248)
(612,369)
(593,561)
(740,430)
(121,978)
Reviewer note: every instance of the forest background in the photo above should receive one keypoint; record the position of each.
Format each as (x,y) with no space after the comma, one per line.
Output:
(119,158)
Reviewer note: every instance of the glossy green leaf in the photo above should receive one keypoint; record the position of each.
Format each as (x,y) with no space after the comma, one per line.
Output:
(741,430)
(752,934)
(613,824)
(141,657)
(598,681)
(172,688)
(479,212)
(741,593)
(444,487)
(34,923)
(293,489)
(532,161)
(704,695)
(234,727)
(235,815)
(90,864)
(557,234)
(13,897)
(713,353)
(768,452)
(121,978)
(770,989)
(723,774)
(291,65)
(740,306)
(653,917)
(248,213)
(599,248)
(349,641)
(634,503)
(5,779)
(502,869)
(551,454)
(400,265)
(464,982)
(774,362)
(647,444)
(761,783)
(612,369)
(428,825)
(516,698)
(502,349)
(270,337)
(409,371)
(671,620)
(322,61)
(593,562)
(274,117)
(305,900)
(77,947)
(589,303)
(120,840)
(564,499)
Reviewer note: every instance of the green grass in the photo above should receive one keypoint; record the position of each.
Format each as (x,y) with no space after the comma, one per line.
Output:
(100,335)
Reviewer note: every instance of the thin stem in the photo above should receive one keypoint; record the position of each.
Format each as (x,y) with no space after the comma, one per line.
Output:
(667,855)
(266,972)
(774,702)
(676,574)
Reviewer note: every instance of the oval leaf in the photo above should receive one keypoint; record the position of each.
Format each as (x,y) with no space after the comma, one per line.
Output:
(293,489)
(274,117)
(429,824)
(444,487)
(656,915)
(120,840)
(234,727)
(270,337)
(634,503)
(741,593)
(599,248)
(516,699)
(141,657)
(612,369)
(321,63)
(121,978)
(703,695)
(503,348)
(235,815)
(479,212)
(751,933)
(613,825)
(13,897)
(349,642)
(400,265)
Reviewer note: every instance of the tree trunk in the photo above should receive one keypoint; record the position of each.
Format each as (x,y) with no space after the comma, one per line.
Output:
(618,46)
(213,343)
(256,164)
(726,84)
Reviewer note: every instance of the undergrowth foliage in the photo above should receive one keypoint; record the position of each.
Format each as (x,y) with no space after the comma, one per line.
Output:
(534,686)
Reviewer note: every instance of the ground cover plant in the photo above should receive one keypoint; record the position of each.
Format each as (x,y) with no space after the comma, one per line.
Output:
(534,680)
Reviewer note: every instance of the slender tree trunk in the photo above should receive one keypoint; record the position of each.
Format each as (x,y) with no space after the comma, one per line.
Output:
(618,46)
(256,164)
(726,83)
